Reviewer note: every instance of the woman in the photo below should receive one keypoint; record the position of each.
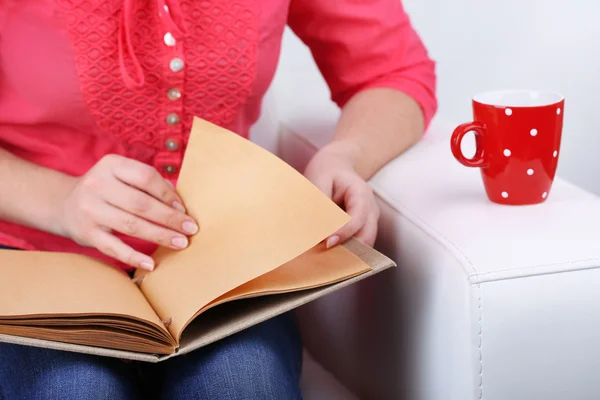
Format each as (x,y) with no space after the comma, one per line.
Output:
(96,102)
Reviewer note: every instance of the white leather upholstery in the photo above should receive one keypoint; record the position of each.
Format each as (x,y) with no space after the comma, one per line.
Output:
(488,302)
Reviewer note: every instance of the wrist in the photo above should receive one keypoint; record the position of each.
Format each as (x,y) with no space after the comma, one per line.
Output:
(345,151)
(51,217)
(32,195)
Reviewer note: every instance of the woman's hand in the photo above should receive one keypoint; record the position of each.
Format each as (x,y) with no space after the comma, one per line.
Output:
(126,196)
(332,171)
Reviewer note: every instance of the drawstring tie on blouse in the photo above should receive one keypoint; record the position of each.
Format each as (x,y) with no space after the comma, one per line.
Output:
(170,17)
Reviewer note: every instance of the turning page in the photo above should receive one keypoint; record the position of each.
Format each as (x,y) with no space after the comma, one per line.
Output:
(255,214)
(314,268)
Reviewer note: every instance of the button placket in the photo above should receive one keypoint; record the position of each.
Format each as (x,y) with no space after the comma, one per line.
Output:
(169,39)
(172,119)
(171,155)
(176,64)
(172,144)
(174,94)
(170,169)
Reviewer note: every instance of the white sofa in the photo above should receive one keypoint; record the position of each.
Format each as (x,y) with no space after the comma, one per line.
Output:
(487,302)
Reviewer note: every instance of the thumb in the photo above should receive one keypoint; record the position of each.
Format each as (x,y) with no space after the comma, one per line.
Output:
(357,208)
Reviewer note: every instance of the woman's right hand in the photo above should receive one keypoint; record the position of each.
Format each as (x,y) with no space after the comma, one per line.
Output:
(126,196)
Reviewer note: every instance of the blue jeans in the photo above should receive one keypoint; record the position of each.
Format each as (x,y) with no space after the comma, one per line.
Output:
(261,362)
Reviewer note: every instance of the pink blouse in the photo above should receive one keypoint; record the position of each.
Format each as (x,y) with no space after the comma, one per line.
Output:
(80,79)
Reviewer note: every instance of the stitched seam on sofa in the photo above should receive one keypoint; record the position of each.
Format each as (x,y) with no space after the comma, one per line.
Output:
(584,261)
(480,347)
(431,231)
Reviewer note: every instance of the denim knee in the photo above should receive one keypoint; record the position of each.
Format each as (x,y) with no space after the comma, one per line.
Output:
(261,363)
(254,373)
(33,373)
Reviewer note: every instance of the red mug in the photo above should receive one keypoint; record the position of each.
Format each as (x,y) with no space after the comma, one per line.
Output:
(517,137)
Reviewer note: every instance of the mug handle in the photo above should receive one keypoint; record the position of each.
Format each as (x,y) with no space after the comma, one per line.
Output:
(479,159)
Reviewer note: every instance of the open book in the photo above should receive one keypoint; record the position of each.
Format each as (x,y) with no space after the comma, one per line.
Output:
(259,249)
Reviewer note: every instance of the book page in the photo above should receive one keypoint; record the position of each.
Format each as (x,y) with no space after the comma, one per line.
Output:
(317,267)
(38,286)
(255,214)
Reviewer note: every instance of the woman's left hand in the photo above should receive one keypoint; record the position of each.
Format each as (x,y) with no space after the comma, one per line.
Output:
(332,170)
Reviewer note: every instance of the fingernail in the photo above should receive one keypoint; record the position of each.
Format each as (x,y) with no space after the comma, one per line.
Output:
(178,206)
(179,242)
(190,227)
(147,265)
(332,241)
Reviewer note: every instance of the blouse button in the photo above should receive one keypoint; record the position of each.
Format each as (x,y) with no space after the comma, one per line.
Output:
(172,119)
(169,39)
(172,145)
(176,64)
(169,169)
(174,94)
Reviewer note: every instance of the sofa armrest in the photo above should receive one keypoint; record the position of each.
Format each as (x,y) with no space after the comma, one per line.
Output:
(488,301)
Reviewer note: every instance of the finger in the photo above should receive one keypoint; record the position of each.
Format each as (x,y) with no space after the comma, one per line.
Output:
(357,208)
(113,247)
(368,233)
(136,202)
(131,225)
(146,178)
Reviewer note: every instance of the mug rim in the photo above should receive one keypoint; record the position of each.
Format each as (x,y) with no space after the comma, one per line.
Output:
(480,98)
